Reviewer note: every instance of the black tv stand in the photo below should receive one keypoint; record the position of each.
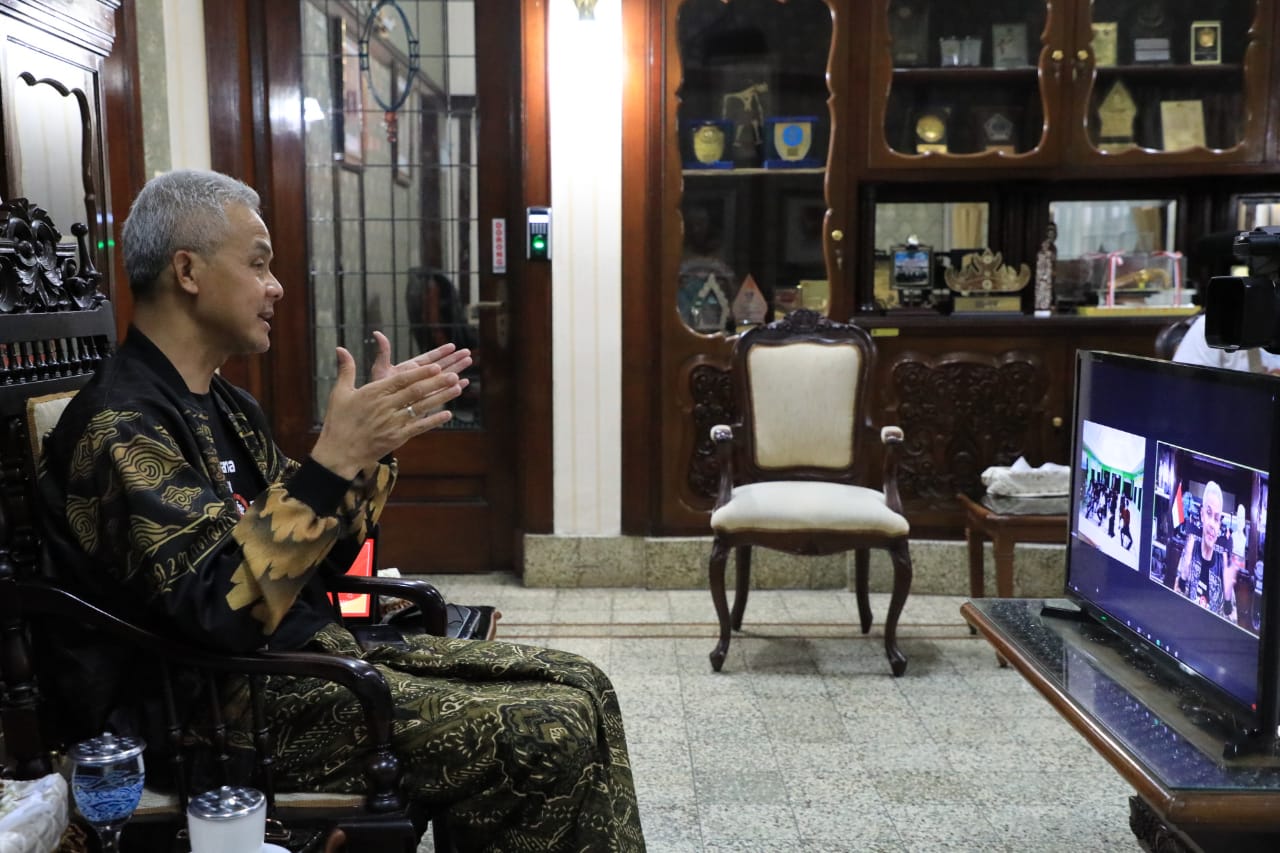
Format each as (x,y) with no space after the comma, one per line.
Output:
(1169,741)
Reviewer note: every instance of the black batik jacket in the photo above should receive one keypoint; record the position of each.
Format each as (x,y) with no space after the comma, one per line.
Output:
(138,517)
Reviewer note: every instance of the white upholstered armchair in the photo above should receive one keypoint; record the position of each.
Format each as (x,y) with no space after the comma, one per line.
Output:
(792,471)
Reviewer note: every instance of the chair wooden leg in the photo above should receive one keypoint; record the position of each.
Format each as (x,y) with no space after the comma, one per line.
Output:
(861,576)
(719,555)
(742,567)
(900,554)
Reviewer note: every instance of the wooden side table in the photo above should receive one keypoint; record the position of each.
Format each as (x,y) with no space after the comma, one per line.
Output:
(1007,522)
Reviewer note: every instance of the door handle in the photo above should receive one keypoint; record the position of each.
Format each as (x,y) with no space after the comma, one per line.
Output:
(474,309)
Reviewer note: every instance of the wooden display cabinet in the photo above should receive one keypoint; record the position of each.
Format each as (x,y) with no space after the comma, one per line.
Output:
(833,61)
(1113,82)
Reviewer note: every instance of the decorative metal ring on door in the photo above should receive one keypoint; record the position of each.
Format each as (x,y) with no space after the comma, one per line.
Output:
(397,99)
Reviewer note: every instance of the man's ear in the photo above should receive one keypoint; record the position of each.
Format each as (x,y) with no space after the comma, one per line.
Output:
(185,265)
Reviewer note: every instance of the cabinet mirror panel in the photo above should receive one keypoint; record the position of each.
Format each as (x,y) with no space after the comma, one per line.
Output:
(964,77)
(937,234)
(1118,253)
(754,134)
(1091,227)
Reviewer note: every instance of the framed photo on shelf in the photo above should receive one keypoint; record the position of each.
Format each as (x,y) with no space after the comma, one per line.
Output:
(802,218)
(1009,45)
(1206,42)
(1182,124)
(350,96)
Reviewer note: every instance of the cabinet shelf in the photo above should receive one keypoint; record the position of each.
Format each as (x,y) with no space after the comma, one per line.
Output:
(1164,71)
(967,75)
(753,170)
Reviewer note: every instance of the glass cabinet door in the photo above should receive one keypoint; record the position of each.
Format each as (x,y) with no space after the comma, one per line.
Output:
(961,83)
(1029,82)
(754,130)
(1179,80)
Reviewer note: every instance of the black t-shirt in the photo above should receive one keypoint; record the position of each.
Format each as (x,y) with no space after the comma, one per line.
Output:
(243,477)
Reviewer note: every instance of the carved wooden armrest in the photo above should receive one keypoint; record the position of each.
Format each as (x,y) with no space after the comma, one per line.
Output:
(429,600)
(722,438)
(366,683)
(891,437)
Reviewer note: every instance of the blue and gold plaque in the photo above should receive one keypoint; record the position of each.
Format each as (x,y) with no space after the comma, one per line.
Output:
(789,141)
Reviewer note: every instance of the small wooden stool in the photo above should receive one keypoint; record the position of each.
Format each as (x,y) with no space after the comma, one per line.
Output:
(1007,522)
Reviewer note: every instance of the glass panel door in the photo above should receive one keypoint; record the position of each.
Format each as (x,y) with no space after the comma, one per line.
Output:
(389,105)
(1171,77)
(754,130)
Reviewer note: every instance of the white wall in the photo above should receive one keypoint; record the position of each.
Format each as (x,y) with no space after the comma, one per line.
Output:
(187,83)
(585,81)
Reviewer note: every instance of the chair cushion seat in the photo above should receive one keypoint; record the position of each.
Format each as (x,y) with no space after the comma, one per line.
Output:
(803,505)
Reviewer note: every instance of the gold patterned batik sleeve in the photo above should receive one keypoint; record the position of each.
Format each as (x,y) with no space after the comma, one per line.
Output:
(363,503)
(141,505)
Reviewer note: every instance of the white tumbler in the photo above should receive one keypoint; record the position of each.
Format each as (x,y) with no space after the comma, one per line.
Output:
(227,820)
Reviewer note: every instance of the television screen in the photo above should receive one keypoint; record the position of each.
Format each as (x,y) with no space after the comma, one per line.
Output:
(1170,476)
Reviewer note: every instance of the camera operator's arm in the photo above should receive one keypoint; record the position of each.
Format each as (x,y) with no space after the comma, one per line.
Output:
(1194,349)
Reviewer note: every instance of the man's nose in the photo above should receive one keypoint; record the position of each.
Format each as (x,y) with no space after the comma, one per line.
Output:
(275,290)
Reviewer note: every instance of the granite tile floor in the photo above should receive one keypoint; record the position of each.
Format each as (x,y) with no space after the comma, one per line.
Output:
(805,742)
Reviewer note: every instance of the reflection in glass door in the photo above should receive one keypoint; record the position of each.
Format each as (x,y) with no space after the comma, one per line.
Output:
(389,107)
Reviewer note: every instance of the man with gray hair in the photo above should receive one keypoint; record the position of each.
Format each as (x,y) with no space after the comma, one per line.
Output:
(166,498)
(1203,575)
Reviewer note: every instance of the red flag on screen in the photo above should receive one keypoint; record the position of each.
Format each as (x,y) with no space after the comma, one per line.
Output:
(1178,515)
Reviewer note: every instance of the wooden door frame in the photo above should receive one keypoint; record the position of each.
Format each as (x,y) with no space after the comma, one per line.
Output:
(256,135)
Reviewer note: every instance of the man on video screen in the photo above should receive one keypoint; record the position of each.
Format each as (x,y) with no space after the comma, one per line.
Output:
(1202,569)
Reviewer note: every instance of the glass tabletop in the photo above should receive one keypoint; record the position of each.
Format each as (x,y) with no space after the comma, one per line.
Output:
(1015,505)
(1162,721)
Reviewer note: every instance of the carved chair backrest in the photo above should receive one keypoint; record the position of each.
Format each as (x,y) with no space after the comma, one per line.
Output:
(801,385)
(55,328)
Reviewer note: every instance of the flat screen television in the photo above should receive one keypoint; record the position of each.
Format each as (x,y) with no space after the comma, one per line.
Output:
(1170,479)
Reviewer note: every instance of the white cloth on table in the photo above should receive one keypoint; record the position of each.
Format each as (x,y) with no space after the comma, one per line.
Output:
(33,814)
(1021,480)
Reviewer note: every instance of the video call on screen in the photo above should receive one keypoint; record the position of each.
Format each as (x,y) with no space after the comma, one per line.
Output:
(1169,509)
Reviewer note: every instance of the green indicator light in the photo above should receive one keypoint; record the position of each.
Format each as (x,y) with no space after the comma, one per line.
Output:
(539,242)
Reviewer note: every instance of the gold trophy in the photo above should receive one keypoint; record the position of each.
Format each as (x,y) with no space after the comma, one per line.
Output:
(931,132)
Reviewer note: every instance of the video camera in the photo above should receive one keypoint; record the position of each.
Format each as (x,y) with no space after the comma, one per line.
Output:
(1244,311)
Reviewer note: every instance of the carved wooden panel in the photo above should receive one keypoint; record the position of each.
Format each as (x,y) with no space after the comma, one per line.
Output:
(712,391)
(962,413)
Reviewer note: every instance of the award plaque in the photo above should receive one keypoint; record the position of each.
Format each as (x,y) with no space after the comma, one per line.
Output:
(705,144)
(788,141)
(909,33)
(1009,45)
(931,132)
(1151,32)
(1105,34)
(1206,42)
(1116,114)
(1182,123)
(997,131)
